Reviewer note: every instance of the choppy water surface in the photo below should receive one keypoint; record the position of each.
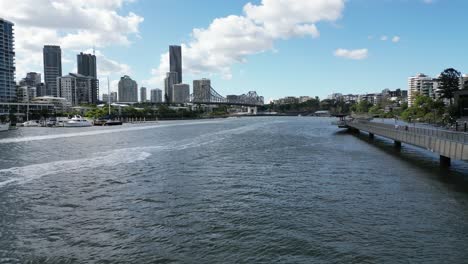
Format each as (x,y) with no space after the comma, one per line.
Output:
(242,190)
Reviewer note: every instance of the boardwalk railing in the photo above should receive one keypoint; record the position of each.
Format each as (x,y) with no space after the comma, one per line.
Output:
(449,144)
(460,137)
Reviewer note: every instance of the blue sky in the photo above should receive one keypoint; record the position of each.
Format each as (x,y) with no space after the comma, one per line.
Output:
(430,36)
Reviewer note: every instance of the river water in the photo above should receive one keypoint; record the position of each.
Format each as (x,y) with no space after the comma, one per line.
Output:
(237,190)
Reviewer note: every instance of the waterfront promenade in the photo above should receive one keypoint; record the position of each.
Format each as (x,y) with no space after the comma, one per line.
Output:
(448,144)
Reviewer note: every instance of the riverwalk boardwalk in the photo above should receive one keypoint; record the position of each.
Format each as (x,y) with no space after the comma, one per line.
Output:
(448,144)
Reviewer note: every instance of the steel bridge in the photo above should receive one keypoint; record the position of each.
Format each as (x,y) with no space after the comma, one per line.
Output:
(207,95)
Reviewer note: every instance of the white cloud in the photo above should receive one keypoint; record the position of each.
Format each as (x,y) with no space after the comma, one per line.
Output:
(396,39)
(384,38)
(230,40)
(106,66)
(72,24)
(357,54)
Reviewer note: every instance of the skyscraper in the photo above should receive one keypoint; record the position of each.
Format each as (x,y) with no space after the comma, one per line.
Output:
(171,79)
(112,99)
(156,96)
(181,93)
(78,89)
(86,64)
(52,68)
(421,84)
(143,94)
(128,90)
(31,79)
(175,61)
(30,87)
(7,62)
(201,90)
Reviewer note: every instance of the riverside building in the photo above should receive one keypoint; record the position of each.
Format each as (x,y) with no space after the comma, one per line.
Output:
(7,62)
(175,61)
(52,68)
(421,84)
(143,94)
(128,90)
(78,89)
(156,95)
(169,81)
(86,64)
(202,90)
(181,93)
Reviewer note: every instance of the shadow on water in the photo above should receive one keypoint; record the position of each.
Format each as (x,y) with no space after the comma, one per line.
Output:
(455,176)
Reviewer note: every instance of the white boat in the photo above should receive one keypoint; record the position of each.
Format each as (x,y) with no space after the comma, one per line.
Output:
(77,121)
(31,123)
(4,126)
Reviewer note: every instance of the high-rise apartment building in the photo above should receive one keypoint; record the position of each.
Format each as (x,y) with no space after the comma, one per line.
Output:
(421,84)
(464,82)
(25,93)
(169,81)
(86,64)
(175,61)
(52,68)
(32,79)
(143,94)
(181,93)
(7,62)
(128,90)
(156,96)
(78,89)
(202,90)
(113,97)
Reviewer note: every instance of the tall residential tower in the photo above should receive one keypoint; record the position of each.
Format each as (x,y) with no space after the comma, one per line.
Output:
(52,68)
(202,90)
(128,90)
(175,61)
(156,96)
(169,81)
(86,65)
(143,94)
(7,62)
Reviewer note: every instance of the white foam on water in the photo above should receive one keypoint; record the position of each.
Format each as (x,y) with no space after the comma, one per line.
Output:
(22,175)
(99,132)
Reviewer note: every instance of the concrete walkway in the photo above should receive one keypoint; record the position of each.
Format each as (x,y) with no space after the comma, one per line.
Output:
(448,144)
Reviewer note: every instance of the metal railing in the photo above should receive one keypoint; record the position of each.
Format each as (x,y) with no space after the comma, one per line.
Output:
(385,129)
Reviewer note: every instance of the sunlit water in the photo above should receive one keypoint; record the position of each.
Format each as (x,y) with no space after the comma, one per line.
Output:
(241,190)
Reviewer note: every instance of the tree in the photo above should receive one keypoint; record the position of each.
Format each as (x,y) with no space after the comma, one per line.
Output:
(425,109)
(449,83)
(361,107)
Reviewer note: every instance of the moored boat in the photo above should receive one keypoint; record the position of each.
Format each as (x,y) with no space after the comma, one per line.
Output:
(107,122)
(113,123)
(31,123)
(4,126)
(77,121)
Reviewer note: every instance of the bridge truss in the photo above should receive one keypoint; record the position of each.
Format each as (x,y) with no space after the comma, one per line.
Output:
(208,95)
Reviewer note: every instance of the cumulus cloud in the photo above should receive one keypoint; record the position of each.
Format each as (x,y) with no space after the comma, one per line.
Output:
(396,39)
(384,38)
(231,39)
(72,24)
(106,66)
(357,54)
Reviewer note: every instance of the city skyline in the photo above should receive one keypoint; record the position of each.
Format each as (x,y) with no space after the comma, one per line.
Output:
(335,38)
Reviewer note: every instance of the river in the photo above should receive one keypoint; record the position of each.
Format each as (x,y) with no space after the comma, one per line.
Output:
(236,190)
